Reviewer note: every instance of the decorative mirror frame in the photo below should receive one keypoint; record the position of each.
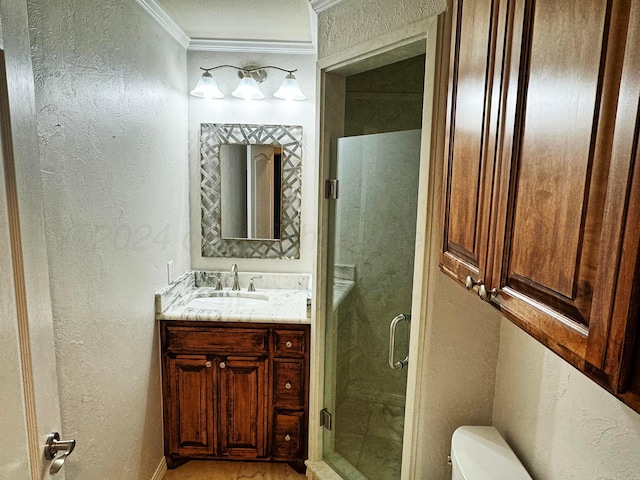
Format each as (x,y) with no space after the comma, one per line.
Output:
(289,137)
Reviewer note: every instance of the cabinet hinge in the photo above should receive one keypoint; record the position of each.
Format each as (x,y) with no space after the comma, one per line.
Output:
(325,419)
(331,189)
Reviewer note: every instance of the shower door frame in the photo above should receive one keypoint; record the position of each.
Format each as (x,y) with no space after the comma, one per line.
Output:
(431,37)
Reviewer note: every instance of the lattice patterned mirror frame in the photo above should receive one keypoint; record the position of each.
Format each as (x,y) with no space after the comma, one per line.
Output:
(289,137)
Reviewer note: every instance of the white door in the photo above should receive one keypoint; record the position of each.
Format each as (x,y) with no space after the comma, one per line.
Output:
(261,192)
(29,405)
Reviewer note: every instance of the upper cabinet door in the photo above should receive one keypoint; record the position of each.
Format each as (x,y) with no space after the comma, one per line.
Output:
(561,192)
(471,133)
(622,232)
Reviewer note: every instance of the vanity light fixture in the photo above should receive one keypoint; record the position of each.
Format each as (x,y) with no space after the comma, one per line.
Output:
(290,89)
(248,88)
(207,88)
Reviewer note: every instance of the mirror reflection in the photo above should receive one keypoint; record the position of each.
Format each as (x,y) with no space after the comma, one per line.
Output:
(251,191)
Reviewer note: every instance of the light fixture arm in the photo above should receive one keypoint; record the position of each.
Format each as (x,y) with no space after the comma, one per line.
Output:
(248,69)
(219,66)
(281,69)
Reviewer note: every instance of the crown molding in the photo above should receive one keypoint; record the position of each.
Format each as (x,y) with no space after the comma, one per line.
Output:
(252,46)
(322,5)
(165,21)
(213,45)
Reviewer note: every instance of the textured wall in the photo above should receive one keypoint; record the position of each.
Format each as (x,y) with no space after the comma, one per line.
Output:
(560,423)
(269,111)
(112,124)
(458,382)
(350,23)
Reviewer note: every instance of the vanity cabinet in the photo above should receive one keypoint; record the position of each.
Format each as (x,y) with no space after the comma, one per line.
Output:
(235,391)
(541,205)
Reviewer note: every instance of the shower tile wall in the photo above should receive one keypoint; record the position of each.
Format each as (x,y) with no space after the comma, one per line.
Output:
(386,99)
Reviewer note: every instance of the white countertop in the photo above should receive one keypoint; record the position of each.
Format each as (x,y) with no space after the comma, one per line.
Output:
(284,305)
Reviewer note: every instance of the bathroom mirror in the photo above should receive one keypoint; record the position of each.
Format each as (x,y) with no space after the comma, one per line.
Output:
(250,190)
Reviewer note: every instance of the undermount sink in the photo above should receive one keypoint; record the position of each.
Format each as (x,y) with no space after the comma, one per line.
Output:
(229,300)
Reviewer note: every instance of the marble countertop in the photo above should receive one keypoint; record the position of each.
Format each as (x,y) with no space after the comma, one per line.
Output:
(282,304)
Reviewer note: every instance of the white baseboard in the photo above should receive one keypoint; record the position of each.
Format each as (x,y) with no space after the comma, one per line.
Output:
(161,470)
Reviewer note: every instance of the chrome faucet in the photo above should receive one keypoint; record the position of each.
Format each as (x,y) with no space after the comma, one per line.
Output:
(234,272)
(215,277)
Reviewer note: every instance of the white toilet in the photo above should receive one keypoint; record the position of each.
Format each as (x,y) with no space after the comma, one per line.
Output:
(480,453)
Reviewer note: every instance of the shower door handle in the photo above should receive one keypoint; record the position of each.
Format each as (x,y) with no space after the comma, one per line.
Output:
(392,342)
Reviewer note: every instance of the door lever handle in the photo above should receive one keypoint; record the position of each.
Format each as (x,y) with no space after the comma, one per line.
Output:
(52,449)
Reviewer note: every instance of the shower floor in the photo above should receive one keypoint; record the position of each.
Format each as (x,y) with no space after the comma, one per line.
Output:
(368,436)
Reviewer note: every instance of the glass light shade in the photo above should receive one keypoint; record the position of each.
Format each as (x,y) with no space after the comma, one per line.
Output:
(290,89)
(248,89)
(207,88)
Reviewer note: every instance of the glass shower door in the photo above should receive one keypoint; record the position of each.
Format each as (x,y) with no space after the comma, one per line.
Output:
(371,244)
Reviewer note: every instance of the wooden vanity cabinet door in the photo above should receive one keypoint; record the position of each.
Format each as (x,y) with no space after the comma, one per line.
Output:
(243,407)
(470,138)
(563,197)
(190,381)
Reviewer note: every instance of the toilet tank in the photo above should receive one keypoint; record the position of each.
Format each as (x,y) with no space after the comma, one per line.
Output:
(480,453)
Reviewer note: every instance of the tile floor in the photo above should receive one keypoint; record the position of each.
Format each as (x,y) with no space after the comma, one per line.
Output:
(220,470)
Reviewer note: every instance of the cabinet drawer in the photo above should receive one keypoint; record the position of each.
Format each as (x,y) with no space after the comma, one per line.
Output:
(288,383)
(288,435)
(289,342)
(216,340)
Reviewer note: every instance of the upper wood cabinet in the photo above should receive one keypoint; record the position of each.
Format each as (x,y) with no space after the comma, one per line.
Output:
(556,170)
(471,124)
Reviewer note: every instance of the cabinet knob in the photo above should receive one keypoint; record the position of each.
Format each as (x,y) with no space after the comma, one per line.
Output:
(208,364)
(469,282)
(485,294)
(287,386)
(223,365)
(287,437)
(289,344)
